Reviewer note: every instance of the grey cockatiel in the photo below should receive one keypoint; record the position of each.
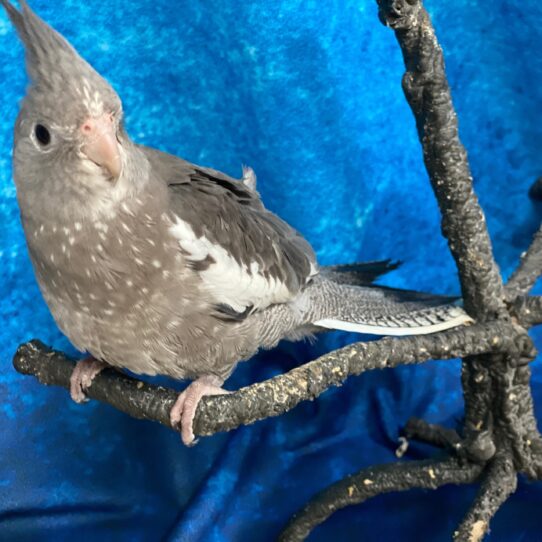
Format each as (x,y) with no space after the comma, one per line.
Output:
(153,264)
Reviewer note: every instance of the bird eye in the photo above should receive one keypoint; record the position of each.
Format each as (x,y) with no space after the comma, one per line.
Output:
(42,135)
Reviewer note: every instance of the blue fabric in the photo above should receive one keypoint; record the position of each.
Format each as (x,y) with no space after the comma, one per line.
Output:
(308,93)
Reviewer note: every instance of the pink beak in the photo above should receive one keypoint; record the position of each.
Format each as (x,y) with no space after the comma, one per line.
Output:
(101,145)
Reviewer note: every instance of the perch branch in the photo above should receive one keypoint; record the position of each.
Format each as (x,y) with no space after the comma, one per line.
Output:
(368,483)
(276,395)
(528,271)
(428,94)
(500,481)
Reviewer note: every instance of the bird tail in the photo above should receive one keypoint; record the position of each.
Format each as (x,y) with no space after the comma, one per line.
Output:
(358,274)
(379,310)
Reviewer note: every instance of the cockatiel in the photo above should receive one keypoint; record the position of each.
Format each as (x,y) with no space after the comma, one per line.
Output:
(150,263)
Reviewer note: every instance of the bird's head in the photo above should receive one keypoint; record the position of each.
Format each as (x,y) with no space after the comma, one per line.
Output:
(68,135)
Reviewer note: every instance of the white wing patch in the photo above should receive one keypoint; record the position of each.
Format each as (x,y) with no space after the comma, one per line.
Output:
(238,286)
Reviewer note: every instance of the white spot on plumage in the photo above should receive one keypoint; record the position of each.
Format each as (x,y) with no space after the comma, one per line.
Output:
(87,272)
(93,258)
(138,261)
(129,283)
(52,258)
(156,264)
(78,226)
(41,228)
(100,226)
(126,209)
(71,240)
(63,247)
(99,247)
(125,226)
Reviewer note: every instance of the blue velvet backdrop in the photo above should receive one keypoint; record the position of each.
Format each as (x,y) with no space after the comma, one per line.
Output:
(308,93)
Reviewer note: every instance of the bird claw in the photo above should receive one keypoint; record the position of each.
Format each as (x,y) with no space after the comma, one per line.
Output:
(82,376)
(183,411)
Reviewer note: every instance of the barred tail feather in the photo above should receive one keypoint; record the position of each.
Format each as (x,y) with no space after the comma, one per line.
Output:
(460,318)
(383,311)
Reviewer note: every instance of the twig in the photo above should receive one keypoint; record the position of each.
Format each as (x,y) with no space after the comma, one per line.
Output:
(375,481)
(499,483)
(436,435)
(276,395)
(428,94)
(528,271)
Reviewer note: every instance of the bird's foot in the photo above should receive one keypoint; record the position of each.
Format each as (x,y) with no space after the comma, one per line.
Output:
(183,411)
(84,373)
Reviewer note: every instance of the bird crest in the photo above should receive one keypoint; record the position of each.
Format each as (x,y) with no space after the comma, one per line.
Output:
(65,86)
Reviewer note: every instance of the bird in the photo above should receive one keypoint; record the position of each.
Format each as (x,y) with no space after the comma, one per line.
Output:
(155,265)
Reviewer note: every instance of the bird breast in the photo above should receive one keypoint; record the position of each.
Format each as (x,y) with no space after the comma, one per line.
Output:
(108,281)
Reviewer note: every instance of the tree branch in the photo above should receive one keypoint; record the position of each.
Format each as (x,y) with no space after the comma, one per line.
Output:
(276,395)
(499,483)
(528,271)
(368,483)
(428,94)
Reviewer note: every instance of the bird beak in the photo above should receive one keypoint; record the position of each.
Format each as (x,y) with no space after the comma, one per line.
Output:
(101,144)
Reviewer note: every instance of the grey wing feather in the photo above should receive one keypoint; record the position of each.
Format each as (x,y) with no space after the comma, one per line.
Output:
(228,214)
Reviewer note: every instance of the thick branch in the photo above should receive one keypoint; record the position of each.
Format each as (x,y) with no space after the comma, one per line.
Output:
(428,94)
(529,270)
(375,481)
(499,483)
(276,395)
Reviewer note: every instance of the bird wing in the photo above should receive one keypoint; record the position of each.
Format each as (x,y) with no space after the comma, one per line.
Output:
(248,258)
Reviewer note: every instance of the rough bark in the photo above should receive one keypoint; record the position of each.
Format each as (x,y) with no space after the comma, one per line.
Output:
(271,397)
(368,483)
